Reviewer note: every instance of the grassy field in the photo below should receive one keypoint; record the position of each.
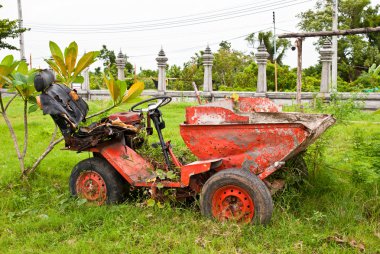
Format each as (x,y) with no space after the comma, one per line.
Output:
(336,211)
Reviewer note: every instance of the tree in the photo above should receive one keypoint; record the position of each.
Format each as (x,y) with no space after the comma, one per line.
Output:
(66,67)
(109,61)
(355,52)
(9,29)
(228,62)
(225,45)
(267,38)
(18,77)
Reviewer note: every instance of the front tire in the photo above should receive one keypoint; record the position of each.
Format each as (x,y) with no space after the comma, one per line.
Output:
(236,195)
(97,181)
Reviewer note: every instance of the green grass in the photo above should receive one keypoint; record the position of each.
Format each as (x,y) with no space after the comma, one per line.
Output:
(340,199)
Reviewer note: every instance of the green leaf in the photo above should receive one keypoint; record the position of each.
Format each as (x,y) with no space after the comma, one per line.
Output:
(85,61)
(32,100)
(32,108)
(160,173)
(53,65)
(81,201)
(61,65)
(71,57)
(377,70)
(134,91)
(17,82)
(79,79)
(160,185)
(160,205)
(23,68)
(30,78)
(170,175)
(5,70)
(4,80)
(55,50)
(111,86)
(150,202)
(121,87)
(7,60)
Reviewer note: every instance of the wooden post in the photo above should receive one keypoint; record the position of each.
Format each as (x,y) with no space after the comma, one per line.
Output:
(299,71)
(30,61)
(197,93)
(275,75)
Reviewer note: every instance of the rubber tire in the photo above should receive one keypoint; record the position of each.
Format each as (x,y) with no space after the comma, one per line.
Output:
(246,180)
(117,186)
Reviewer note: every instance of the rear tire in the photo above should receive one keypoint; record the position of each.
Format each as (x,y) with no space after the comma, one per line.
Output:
(236,195)
(97,181)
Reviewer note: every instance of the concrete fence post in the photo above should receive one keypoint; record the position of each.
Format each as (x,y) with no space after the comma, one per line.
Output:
(261,59)
(161,63)
(207,63)
(120,63)
(86,83)
(326,54)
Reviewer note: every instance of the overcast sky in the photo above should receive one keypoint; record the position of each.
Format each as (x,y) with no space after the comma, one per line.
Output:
(140,28)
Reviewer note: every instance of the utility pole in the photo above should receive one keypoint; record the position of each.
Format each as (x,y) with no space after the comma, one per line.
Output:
(299,71)
(274,52)
(22,51)
(334,71)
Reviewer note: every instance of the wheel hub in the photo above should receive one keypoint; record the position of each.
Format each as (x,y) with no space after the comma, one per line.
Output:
(232,203)
(91,186)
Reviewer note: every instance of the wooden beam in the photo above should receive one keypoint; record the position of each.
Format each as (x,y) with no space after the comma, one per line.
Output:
(331,33)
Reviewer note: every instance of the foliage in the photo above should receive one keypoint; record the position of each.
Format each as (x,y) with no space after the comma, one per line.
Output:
(23,81)
(117,89)
(109,61)
(9,29)
(228,62)
(267,38)
(355,52)
(42,215)
(66,66)
(148,76)
(369,79)
(7,66)
(96,81)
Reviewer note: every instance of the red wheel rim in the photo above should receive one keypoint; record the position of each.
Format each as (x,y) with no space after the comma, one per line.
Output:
(91,186)
(232,203)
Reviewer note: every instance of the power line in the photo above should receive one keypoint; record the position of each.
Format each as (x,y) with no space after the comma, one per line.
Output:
(150,21)
(172,25)
(199,46)
(183,49)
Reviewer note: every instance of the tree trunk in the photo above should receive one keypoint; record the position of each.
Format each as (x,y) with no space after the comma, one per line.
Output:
(25,129)
(13,135)
(50,147)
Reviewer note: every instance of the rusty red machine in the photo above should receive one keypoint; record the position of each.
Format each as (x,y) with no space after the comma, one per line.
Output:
(238,143)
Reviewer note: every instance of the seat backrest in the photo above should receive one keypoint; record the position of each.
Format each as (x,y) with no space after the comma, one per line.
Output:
(65,106)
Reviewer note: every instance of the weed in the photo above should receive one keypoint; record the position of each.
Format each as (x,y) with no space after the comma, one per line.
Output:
(40,216)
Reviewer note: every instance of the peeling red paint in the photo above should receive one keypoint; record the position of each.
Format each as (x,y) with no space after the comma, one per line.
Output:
(220,130)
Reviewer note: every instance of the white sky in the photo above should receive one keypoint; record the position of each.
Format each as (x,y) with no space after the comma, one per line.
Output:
(48,18)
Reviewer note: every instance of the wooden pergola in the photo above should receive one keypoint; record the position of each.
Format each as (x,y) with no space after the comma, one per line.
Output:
(301,36)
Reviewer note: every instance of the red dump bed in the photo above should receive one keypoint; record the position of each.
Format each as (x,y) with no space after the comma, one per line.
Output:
(250,132)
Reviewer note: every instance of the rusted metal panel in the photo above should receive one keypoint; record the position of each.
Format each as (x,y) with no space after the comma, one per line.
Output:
(219,130)
(254,147)
(248,105)
(128,163)
(127,117)
(195,168)
(213,115)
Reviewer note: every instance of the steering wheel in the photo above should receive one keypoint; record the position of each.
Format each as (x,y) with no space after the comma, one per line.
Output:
(161,101)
